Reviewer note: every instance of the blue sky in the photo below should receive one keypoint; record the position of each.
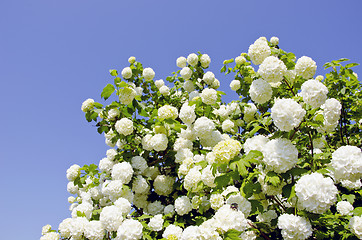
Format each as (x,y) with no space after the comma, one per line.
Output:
(55,54)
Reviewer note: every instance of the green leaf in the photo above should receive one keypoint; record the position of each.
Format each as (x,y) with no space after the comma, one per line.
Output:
(232,235)
(349,65)
(113,72)
(107,91)
(272,178)
(357,211)
(222,181)
(350,198)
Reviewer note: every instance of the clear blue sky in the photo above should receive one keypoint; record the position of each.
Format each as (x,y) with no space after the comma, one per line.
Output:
(54,54)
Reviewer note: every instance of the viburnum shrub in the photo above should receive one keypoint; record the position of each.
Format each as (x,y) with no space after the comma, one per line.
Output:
(282,162)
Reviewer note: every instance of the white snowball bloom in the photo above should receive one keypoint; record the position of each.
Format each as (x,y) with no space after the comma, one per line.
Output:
(122,171)
(227,218)
(192,179)
(124,205)
(127,73)
(181,62)
(287,114)
(290,74)
(147,142)
(84,208)
(182,143)
(268,188)
(140,185)
(169,209)
(113,189)
(155,208)
(351,185)
(205,60)
(130,229)
(111,154)
(255,143)
(207,177)
(183,205)
(216,201)
(212,139)
(111,218)
(186,73)
(240,60)
(192,59)
(73,172)
(314,93)
(248,235)
(45,229)
(274,40)
(316,193)
(94,230)
(249,112)
(215,84)
(165,91)
(355,225)
(228,125)
(347,163)
(187,113)
(87,105)
(167,112)
(163,185)
(172,232)
(260,91)
(105,165)
(159,83)
(126,95)
(331,113)
(139,164)
(280,155)
(182,154)
(319,78)
(156,223)
(148,74)
(259,51)
(305,67)
(51,236)
(159,142)
(65,227)
(189,86)
(131,59)
(243,204)
(272,69)
(344,208)
(191,233)
(203,127)
(226,150)
(209,96)
(124,126)
(294,227)
(208,78)
(235,85)
(71,188)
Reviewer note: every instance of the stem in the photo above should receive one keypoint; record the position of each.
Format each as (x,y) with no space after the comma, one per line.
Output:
(311,148)
(289,87)
(279,203)
(262,234)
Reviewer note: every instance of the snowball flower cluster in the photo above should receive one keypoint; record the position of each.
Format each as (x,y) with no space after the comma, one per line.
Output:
(344,208)
(287,114)
(305,67)
(181,62)
(255,143)
(209,78)
(126,73)
(167,112)
(314,93)
(126,95)
(272,69)
(280,155)
(209,96)
(355,225)
(94,230)
(183,205)
(240,60)
(73,172)
(87,105)
(235,85)
(187,113)
(331,113)
(163,185)
(156,223)
(259,51)
(347,163)
(124,126)
(130,229)
(50,236)
(172,232)
(274,40)
(159,142)
(294,227)
(205,60)
(260,91)
(226,150)
(316,193)
(203,127)
(192,59)
(148,74)
(227,218)
(186,73)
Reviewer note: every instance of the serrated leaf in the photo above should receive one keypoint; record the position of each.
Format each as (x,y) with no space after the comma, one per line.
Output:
(222,181)
(113,72)
(107,91)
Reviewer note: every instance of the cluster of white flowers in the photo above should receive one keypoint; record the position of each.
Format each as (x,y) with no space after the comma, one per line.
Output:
(203,127)
(126,73)
(316,193)
(355,225)
(249,112)
(280,155)
(260,91)
(148,74)
(347,163)
(305,67)
(124,126)
(259,51)
(314,93)
(167,112)
(209,96)
(294,227)
(126,95)
(163,185)
(183,205)
(73,172)
(331,112)
(156,223)
(186,73)
(255,143)
(240,60)
(287,114)
(205,60)
(226,150)
(235,85)
(344,208)
(272,69)
(87,105)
